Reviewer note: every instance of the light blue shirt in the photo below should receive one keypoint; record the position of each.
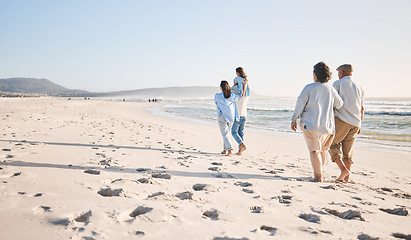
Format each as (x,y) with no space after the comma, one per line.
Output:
(238,89)
(353,97)
(227,106)
(315,106)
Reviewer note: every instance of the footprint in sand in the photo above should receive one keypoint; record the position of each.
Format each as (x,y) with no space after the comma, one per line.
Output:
(216,164)
(212,214)
(156,194)
(140,211)
(314,231)
(286,199)
(348,215)
(204,187)
(185,195)
(276,171)
(45,208)
(161,175)
(143,169)
(402,195)
(385,189)
(246,190)
(38,195)
(139,233)
(182,164)
(329,187)
(215,169)
(256,209)
(310,218)
(402,236)
(83,217)
(396,211)
(108,192)
(271,230)
(366,237)
(243,184)
(60,221)
(147,181)
(93,172)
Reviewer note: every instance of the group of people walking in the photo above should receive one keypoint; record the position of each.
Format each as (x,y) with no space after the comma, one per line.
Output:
(232,111)
(330,116)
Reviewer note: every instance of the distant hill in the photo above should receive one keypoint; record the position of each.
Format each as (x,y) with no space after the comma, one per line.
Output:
(35,85)
(44,86)
(169,92)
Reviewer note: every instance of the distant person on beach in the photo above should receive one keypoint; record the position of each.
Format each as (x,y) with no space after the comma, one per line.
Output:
(241,88)
(347,120)
(227,113)
(315,108)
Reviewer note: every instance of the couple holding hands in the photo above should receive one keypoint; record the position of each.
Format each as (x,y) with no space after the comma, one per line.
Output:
(330,116)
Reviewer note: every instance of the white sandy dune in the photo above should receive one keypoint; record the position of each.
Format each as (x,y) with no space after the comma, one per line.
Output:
(108,170)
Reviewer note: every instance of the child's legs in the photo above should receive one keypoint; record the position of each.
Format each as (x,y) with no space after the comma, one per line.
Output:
(241,127)
(235,132)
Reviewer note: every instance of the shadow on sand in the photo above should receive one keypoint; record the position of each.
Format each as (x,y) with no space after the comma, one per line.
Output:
(118,169)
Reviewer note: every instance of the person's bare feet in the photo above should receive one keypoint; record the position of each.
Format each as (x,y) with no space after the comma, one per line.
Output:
(229,153)
(224,152)
(318,180)
(242,149)
(345,174)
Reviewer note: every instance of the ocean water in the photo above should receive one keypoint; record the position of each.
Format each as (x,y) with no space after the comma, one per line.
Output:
(386,120)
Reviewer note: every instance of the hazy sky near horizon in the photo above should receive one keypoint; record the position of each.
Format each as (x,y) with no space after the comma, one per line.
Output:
(100,45)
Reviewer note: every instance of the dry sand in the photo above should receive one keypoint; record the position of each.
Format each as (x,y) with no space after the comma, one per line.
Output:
(109,170)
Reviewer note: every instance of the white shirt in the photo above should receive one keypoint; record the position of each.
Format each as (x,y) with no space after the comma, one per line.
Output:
(315,106)
(242,107)
(353,97)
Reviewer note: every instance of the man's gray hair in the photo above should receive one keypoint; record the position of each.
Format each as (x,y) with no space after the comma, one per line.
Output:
(345,68)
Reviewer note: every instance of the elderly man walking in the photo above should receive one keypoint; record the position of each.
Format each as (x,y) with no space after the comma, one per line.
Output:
(347,120)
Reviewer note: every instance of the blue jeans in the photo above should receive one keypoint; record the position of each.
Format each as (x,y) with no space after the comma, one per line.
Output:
(238,130)
(225,127)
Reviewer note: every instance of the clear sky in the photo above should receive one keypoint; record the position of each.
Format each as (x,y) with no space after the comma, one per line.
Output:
(99,45)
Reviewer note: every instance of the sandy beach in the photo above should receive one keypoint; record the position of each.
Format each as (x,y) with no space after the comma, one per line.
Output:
(109,170)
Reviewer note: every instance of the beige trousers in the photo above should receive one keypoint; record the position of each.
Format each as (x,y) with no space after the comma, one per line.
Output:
(344,138)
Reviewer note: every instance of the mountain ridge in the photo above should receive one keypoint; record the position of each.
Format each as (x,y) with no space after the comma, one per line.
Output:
(45,86)
(34,86)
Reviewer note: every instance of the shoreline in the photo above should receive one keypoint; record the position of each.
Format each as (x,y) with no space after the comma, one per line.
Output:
(380,145)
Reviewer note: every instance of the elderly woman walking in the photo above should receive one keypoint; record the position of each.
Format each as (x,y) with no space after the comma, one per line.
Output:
(315,108)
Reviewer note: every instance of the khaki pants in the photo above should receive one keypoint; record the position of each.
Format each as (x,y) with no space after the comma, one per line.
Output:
(344,138)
